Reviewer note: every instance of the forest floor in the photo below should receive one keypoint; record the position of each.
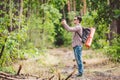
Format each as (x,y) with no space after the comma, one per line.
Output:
(59,64)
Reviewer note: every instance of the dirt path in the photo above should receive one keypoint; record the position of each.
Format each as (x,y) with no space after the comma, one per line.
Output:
(59,64)
(97,66)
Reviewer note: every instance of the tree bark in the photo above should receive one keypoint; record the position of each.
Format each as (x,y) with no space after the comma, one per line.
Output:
(84,7)
(118,26)
(20,13)
(68,4)
(74,2)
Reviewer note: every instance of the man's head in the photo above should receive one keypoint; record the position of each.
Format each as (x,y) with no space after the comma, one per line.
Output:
(77,19)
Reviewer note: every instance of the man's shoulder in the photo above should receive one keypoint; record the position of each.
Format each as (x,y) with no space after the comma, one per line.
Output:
(79,26)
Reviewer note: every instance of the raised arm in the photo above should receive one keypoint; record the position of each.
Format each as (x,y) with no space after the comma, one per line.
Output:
(68,28)
(71,29)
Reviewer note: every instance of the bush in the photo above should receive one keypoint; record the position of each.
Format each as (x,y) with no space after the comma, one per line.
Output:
(113,51)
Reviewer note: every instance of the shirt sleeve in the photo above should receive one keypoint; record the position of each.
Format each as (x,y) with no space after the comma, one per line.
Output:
(71,29)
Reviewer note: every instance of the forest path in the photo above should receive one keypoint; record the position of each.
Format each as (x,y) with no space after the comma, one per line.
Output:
(59,64)
(96,65)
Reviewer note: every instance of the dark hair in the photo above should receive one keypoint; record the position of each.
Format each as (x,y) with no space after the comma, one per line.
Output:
(79,18)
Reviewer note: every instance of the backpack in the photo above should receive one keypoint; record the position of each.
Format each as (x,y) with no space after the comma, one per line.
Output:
(85,34)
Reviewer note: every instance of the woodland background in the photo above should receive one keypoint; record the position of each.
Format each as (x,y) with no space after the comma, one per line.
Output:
(29,27)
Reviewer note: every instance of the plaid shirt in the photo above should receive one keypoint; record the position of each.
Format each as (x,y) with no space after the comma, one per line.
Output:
(76,40)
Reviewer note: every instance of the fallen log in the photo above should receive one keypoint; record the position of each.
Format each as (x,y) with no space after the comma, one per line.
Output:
(51,77)
(70,75)
(8,77)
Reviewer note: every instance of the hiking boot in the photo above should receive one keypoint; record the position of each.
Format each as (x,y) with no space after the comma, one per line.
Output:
(79,75)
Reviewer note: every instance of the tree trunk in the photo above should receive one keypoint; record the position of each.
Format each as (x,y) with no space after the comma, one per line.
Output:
(113,31)
(118,26)
(114,26)
(20,13)
(74,5)
(83,11)
(68,5)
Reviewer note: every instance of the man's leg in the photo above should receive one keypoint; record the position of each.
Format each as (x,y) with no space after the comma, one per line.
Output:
(78,56)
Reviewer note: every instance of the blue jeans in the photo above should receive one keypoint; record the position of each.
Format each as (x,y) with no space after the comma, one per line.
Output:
(78,57)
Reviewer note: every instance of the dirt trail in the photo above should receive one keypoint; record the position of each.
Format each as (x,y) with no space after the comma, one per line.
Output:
(59,64)
(97,66)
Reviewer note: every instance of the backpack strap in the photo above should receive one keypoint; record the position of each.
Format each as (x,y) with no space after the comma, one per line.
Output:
(79,34)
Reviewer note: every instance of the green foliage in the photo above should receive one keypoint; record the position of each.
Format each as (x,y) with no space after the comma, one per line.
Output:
(42,28)
(71,16)
(34,27)
(79,4)
(99,37)
(107,11)
(12,42)
(8,69)
(88,19)
(59,39)
(36,24)
(59,4)
(67,38)
(13,46)
(99,40)
(100,43)
(113,51)
(117,13)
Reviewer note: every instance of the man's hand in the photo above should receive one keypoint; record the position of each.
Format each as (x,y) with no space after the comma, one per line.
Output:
(63,22)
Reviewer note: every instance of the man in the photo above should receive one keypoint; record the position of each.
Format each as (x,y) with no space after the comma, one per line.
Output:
(76,42)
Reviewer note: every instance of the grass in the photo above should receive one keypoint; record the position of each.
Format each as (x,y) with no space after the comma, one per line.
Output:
(8,69)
